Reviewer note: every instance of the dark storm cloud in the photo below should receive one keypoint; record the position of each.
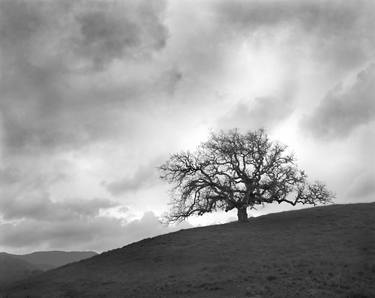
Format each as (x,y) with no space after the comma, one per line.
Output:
(52,55)
(344,109)
(263,112)
(337,32)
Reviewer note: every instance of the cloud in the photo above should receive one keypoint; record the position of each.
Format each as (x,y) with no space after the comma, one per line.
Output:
(144,177)
(39,206)
(96,232)
(9,176)
(27,193)
(344,109)
(82,32)
(363,187)
(61,89)
(112,31)
(330,31)
(265,112)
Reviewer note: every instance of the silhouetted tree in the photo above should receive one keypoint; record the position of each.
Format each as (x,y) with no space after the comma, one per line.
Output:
(234,170)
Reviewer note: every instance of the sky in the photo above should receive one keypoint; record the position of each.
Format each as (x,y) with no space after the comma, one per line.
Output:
(95,95)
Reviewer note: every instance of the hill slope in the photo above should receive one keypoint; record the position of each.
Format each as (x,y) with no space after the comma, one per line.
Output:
(317,252)
(45,260)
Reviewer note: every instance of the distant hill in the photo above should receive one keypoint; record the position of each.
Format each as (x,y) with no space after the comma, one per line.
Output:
(17,267)
(318,252)
(12,269)
(46,260)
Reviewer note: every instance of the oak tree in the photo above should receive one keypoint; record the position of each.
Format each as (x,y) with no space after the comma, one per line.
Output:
(234,170)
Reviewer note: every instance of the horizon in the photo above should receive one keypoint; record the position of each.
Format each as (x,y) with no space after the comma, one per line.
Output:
(190,227)
(182,229)
(94,96)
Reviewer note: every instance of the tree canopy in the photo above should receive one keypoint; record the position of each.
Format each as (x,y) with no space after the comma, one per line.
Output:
(234,170)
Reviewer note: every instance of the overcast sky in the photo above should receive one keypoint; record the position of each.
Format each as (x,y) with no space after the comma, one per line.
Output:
(94,95)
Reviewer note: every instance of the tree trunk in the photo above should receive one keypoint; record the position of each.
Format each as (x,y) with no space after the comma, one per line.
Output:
(242,214)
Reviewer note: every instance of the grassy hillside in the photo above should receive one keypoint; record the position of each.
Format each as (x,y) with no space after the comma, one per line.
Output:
(318,252)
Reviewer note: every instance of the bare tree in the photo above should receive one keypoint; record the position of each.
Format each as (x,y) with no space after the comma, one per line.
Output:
(234,170)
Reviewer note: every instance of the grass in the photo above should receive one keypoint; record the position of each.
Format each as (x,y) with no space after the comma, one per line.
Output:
(317,252)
